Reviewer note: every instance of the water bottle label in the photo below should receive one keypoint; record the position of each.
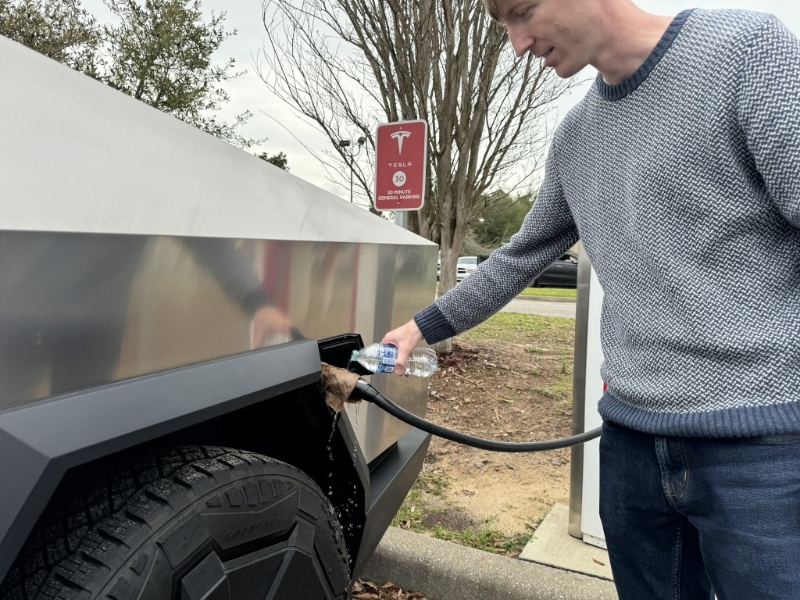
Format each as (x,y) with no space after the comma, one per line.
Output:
(388,358)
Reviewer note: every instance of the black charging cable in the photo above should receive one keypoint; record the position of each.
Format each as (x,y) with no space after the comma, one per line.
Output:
(364,391)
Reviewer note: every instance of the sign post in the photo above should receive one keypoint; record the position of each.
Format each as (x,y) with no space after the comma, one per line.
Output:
(401,158)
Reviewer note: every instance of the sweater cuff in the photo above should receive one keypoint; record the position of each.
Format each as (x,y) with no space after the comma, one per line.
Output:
(254,300)
(433,325)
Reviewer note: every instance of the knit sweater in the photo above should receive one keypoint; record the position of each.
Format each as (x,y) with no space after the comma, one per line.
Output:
(683,182)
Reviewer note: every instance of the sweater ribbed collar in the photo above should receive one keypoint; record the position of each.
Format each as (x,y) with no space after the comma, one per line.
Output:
(627,87)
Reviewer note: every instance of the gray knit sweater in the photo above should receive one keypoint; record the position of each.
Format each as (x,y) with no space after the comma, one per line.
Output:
(684,184)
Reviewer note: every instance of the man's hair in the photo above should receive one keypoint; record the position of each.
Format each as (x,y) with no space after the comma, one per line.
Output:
(493,8)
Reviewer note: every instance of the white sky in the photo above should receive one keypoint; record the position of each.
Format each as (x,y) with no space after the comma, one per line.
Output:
(249,92)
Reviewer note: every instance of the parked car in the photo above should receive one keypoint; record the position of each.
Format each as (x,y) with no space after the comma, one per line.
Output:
(561,273)
(466,266)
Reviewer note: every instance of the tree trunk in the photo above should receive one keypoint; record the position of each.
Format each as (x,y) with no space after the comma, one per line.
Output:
(349,65)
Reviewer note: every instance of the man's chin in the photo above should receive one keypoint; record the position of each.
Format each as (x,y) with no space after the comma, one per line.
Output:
(565,70)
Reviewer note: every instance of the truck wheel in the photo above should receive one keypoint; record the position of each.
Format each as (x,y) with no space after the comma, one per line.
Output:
(187,524)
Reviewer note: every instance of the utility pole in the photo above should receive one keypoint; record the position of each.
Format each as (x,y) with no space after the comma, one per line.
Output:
(485,224)
(350,152)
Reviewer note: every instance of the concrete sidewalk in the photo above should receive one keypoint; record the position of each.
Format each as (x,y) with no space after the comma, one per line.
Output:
(553,546)
(446,571)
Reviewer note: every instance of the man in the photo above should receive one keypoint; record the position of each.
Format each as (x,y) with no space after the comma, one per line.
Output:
(680,172)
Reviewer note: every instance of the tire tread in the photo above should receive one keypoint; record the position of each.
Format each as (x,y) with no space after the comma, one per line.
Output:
(83,531)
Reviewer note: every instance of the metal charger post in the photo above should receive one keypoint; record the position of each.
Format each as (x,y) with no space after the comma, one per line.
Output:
(579,393)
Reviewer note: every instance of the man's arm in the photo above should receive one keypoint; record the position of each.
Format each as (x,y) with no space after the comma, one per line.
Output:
(233,270)
(547,232)
(769,112)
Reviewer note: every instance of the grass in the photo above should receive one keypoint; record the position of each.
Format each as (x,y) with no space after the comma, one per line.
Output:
(423,514)
(544,292)
(433,485)
(536,333)
(550,292)
(528,330)
(535,350)
(485,538)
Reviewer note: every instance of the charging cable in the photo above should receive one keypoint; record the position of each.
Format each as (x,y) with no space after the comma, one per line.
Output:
(364,391)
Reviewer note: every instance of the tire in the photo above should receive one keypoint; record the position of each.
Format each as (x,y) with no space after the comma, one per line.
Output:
(186,523)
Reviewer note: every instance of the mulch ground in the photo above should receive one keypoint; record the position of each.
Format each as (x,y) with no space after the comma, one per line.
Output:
(366,590)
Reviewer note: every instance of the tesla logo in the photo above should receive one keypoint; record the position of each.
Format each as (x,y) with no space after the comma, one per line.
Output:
(400,136)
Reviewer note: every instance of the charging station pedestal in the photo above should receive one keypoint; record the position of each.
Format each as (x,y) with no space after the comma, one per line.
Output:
(590,506)
(584,506)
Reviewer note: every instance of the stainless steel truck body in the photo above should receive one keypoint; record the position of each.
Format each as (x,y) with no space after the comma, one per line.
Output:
(134,252)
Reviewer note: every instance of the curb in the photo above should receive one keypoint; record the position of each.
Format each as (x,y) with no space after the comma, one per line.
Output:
(446,571)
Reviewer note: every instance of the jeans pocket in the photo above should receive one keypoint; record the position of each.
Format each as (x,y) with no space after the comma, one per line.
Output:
(777,440)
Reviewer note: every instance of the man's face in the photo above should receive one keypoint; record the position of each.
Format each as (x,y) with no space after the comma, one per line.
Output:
(556,30)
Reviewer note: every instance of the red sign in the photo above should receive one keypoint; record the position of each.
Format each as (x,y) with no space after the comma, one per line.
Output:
(401,158)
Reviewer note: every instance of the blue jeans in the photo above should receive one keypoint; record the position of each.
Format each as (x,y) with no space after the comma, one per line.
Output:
(681,515)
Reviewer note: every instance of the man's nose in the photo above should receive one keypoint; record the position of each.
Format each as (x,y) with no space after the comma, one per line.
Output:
(519,42)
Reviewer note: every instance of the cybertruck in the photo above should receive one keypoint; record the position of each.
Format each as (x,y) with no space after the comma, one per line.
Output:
(166,300)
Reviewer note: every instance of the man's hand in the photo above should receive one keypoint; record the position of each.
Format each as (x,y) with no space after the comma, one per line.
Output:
(270,326)
(406,338)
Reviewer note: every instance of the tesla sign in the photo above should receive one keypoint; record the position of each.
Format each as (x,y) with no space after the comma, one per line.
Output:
(401,157)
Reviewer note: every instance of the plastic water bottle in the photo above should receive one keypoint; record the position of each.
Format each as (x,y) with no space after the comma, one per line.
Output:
(380,358)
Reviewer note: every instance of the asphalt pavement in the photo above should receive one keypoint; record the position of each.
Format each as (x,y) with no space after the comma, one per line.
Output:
(561,307)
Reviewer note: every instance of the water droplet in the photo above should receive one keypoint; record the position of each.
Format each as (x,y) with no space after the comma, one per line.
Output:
(333,427)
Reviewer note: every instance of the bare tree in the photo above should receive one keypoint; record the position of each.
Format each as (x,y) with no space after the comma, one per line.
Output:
(348,65)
